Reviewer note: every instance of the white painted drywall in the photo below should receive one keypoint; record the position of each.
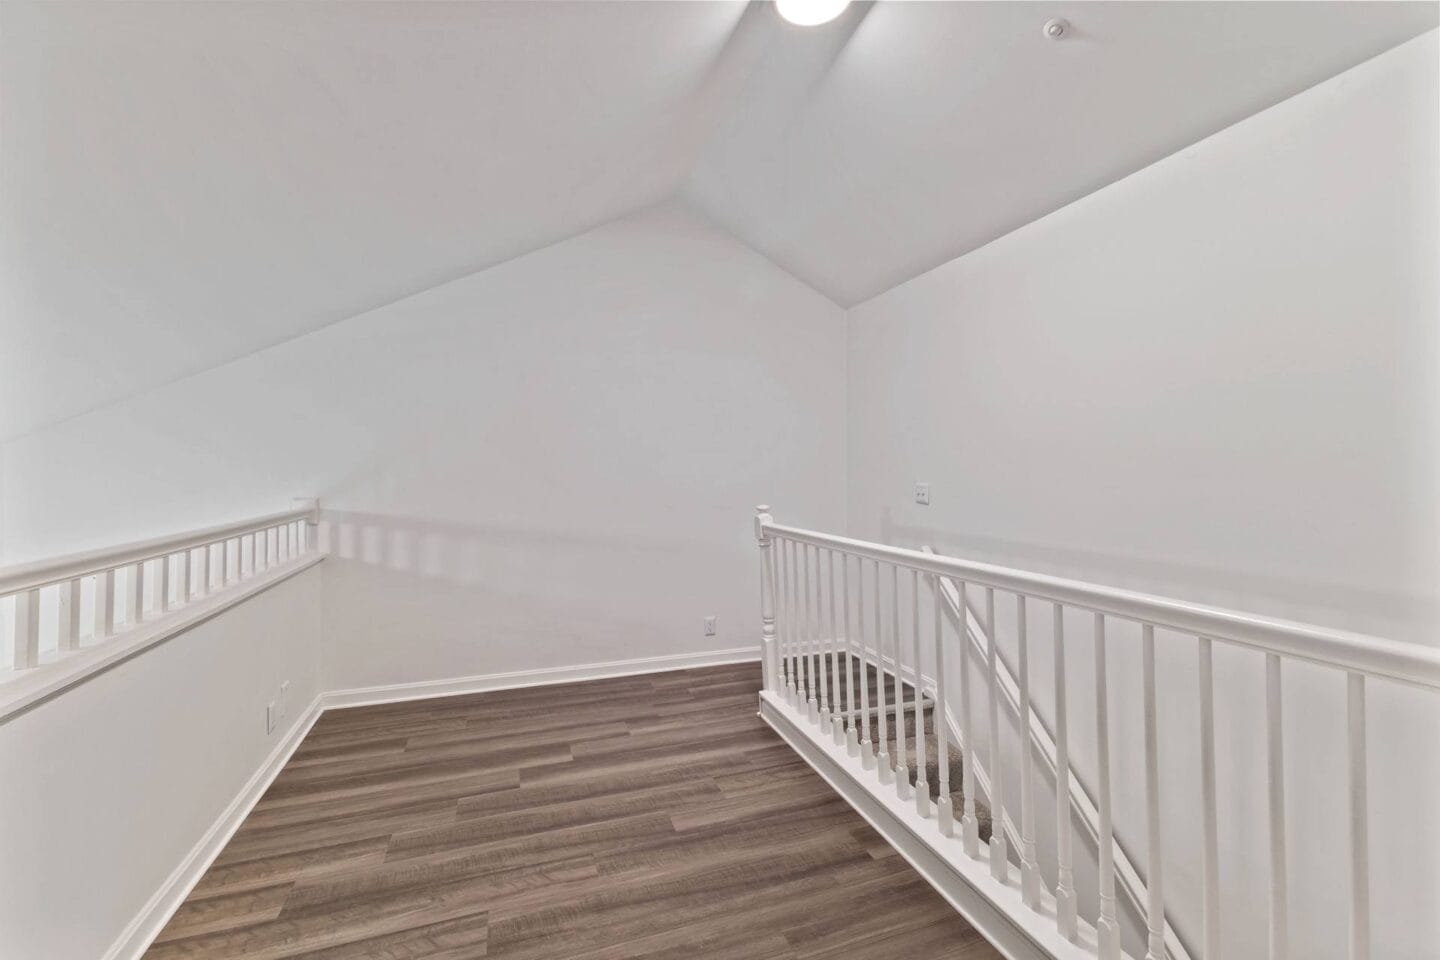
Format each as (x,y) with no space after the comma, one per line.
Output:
(106,788)
(1215,379)
(568,447)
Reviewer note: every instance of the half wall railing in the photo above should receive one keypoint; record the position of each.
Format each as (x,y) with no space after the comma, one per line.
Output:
(831,611)
(66,624)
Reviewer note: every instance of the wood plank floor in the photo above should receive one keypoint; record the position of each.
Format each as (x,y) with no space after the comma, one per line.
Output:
(652,816)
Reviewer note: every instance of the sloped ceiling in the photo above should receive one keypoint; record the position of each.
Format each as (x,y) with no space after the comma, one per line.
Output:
(941,126)
(182,184)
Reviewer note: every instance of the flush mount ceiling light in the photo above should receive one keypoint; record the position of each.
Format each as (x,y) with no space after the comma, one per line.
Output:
(811,13)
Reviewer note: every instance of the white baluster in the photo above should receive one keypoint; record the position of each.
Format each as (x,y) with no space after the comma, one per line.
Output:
(902,770)
(812,705)
(182,578)
(882,757)
(782,623)
(1155,904)
(852,737)
(867,747)
(69,616)
(821,641)
(1029,866)
(837,722)
(1107,929)
(787,619)
(1275,776)
(258,551)
(769,654)
(797,629)
(922,789)
(103,611)
(969,823)
(1065,911)
(162,581)
(202,571)
(999,854)
(1359,826)
(135,595)
(26,653)
(944,806)
(1210,833)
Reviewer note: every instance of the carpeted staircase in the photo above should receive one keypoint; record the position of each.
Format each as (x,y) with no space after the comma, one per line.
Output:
(932,763)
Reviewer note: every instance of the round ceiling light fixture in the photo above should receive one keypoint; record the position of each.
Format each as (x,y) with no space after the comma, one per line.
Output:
(1056,29)
(810,13)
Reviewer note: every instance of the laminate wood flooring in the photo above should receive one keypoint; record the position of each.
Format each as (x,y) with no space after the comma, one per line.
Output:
(649,817)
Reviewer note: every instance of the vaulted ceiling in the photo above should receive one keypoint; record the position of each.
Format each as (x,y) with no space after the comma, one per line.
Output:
(182,184)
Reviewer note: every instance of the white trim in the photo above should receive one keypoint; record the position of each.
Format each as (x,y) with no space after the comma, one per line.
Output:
(137,936)
(425,689)
(30,687)
(991,907)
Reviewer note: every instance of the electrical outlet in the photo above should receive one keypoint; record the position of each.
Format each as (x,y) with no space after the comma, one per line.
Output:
(922,494)
(709,626)
(270,712)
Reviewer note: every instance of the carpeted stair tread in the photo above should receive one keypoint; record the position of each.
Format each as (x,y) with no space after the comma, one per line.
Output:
(932,761)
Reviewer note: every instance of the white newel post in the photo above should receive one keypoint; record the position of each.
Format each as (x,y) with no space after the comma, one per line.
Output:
(768,662)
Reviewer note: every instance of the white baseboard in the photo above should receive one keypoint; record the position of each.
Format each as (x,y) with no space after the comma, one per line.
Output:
(151,919)
(424,689)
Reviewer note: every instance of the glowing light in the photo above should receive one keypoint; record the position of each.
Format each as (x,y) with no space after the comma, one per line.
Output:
(811,13)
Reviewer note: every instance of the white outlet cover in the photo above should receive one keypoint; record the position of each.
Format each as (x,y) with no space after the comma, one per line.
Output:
(710,626)
(922,494)
(270,717)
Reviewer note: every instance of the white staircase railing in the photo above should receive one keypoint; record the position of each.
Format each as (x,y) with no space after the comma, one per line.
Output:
(162,585)
(817,625)
(1043,747)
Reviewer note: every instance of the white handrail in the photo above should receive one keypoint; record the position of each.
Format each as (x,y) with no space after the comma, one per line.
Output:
(44,573)
(1373,656)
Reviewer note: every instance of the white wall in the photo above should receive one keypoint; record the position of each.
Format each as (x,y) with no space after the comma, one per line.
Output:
(105,789)
(568,446)
(1216,379)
